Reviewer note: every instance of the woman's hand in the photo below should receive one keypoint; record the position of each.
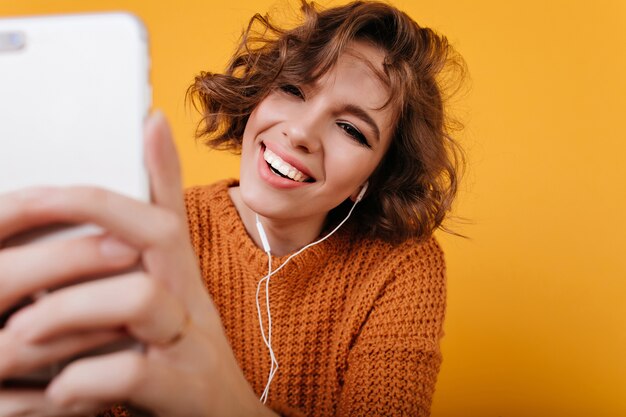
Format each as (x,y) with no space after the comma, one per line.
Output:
(187,368)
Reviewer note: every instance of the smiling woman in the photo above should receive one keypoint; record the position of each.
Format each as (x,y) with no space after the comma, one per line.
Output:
(347,167)
(351,97)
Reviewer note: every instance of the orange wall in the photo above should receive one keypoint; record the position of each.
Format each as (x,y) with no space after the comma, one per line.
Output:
(536,323)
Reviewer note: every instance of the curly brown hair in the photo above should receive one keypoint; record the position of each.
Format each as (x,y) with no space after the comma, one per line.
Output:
(412,190)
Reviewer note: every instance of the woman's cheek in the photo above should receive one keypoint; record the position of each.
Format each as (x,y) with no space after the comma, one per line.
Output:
(268,112)
(349,167)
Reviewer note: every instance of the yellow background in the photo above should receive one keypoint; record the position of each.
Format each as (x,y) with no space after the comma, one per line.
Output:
(536,322)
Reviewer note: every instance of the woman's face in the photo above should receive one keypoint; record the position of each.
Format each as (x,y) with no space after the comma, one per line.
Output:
(307,148)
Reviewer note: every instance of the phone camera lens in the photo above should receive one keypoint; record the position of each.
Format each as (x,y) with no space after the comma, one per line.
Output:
(12,41)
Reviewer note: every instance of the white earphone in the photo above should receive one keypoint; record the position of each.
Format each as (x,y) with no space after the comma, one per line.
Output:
(362,192)
(266,248)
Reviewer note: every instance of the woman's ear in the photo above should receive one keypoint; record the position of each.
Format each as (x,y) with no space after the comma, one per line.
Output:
(358,194)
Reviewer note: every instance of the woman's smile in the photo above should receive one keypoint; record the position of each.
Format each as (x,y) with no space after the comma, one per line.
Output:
(278,173)
(286,165)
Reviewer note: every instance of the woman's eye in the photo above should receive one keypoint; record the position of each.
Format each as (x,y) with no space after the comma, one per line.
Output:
(354,133)
(292,89)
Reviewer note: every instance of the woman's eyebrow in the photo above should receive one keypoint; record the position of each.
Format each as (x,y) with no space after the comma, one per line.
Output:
(363,115)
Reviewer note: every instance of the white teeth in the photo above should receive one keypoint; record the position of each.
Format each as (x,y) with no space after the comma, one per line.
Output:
(283,167)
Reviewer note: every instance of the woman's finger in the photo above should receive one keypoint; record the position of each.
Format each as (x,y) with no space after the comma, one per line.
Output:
(170,258)
(160,234)
(28,208)
(58,262)
(21,403)
(18,358)
(120,375)
(163,165)
(126,377)
(16,216)
(142,306)
(81,204)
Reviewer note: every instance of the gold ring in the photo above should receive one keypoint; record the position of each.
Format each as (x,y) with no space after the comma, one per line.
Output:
(182,331)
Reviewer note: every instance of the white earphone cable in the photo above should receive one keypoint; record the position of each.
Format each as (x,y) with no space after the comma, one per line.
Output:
(266,247)
(268,339)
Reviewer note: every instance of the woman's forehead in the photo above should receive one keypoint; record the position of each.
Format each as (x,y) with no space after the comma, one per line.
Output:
(359,68)
(366,52)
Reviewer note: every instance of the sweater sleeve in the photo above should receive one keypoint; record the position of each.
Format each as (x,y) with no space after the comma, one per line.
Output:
(393,364)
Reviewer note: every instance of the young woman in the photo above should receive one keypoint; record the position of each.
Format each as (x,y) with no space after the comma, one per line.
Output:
(257,296)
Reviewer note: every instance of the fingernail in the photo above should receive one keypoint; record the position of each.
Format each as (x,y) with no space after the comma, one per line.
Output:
(113,248)
(36,194)
(154,118)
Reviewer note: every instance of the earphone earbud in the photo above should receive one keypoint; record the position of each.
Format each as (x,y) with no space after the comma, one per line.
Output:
(362,192)
(264,241)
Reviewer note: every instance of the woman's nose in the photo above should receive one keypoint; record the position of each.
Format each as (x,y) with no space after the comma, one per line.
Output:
(304,130)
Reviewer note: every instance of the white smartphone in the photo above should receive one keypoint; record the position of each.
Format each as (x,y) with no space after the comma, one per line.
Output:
(74,93)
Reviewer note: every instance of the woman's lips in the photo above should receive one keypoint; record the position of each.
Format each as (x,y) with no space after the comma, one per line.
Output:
(273,179)
(278,165)
(285,158)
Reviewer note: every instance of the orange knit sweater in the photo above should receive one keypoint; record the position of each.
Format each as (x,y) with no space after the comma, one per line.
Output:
(356,323)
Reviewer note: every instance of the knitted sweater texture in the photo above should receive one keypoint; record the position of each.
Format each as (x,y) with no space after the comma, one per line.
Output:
(356,322)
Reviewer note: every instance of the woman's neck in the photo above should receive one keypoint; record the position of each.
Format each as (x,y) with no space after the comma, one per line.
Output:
(284,236)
